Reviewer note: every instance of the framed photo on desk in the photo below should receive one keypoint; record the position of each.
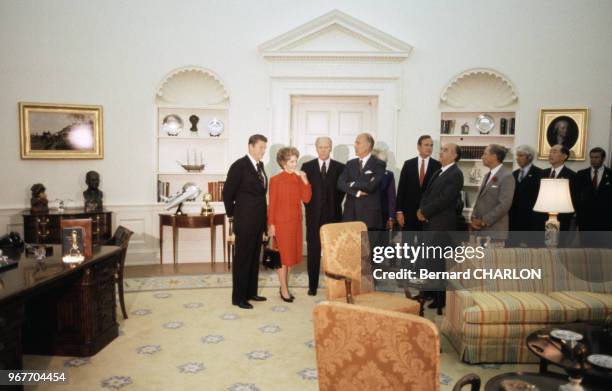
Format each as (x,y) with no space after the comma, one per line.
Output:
(76,236)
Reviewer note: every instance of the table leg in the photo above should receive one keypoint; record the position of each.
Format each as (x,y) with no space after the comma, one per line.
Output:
(543,366)
(161,242)
(213,237)
(174,241)
(224,246)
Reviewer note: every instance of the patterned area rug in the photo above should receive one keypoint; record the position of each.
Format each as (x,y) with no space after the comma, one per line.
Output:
(183,334)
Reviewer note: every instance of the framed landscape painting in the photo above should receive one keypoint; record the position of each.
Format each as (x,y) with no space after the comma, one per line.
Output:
(59,131)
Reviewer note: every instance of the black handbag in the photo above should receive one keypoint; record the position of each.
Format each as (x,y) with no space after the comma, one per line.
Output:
(271,258)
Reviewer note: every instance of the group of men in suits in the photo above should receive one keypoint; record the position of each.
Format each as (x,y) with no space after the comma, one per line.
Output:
(590,191)
(428,198)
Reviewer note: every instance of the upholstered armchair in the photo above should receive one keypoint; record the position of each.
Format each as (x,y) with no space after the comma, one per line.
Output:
(362,348)
(341,244)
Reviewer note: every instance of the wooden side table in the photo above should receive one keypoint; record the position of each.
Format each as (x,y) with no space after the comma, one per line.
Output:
(190,221)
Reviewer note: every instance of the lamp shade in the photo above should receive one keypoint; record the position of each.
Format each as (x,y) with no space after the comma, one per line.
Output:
(554,197)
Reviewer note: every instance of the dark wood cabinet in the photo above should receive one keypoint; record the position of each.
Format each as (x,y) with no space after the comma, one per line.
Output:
(45,228)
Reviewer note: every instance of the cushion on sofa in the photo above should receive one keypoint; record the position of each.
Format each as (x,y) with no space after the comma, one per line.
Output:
(588,305)
(517,307)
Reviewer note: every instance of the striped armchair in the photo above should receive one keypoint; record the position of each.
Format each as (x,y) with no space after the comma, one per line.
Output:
(489,320)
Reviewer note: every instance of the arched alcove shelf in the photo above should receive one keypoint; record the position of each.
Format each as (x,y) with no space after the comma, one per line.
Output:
(192,109)
(192,87)
(479,89)
(478,108)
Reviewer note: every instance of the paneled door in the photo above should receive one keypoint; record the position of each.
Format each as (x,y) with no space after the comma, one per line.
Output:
(338,117)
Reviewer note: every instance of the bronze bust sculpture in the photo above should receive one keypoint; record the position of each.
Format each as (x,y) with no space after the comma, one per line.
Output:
(93,196)
(39,202)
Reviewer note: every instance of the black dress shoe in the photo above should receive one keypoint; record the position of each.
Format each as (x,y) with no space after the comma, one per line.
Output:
(257,298)
(312,292)
(433,304)
(287,300)
(245,305)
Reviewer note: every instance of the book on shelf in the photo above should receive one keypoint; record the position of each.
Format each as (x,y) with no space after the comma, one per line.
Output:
(163,190)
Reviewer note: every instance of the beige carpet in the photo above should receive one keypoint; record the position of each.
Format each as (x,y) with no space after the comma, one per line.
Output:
(193,339)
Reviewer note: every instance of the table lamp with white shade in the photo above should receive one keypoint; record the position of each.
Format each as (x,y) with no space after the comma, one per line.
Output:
(554,198)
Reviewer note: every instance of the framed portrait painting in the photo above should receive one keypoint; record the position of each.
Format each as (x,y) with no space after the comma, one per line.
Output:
(567,127)
(54,131)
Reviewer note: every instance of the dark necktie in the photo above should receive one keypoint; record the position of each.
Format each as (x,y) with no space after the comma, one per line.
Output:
(521,175)
(552,173)
(323,170)
(260,174)
(484,183)
(360,165)
(595,179)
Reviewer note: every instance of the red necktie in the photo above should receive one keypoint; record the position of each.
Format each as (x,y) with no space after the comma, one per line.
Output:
(422,173)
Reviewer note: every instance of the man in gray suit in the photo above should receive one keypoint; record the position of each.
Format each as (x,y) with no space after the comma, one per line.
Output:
(438,213)
(494,199)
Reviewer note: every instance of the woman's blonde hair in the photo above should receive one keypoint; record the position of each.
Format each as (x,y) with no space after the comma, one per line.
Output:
(284,154)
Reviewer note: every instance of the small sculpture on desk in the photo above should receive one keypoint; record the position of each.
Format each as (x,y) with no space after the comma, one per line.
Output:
(194,119)
(207,210)
(93,196)
(465,128)
(39,202)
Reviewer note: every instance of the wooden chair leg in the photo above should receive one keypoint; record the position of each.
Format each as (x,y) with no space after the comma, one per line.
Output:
(121,298)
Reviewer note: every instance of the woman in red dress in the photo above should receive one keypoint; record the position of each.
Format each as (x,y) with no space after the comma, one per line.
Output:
(288,190)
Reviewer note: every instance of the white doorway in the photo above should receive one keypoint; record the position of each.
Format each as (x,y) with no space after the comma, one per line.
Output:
(339,117)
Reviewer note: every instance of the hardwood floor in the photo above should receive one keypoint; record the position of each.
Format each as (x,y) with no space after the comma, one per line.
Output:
(153,270)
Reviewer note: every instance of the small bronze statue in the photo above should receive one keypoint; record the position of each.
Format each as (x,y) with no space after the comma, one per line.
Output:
(93,196)
(39,202)
(194,122)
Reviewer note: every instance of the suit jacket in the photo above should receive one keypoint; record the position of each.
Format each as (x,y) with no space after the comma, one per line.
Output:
(244,197)
(440,199)
(388,196)
(494,201)
(522,216)
(323,191)
(564,218)
(594,210)
(365,208)
(409,191)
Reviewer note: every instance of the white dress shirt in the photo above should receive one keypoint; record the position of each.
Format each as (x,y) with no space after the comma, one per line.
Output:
(600,172)
(556,170)
(324,161)
(444,168)
(420,163)
(493,172)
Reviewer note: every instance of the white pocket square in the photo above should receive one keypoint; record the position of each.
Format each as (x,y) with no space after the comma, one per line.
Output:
(493,186)
(368,172)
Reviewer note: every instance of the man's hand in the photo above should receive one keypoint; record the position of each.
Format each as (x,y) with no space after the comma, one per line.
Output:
(361,194)
(302,175)
(476,224)
(421,216)
(399,216)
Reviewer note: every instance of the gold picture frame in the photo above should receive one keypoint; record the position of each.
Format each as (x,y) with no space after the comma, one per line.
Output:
(568,127)
(60,131)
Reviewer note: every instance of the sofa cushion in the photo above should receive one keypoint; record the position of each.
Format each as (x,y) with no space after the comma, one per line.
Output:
(385,301)
(588,305)
(517,307)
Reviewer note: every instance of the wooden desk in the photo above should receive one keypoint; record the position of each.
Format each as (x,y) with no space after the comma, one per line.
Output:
(51,308)
(190,221)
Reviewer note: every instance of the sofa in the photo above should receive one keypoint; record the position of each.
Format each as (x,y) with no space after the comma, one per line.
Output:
(488,321)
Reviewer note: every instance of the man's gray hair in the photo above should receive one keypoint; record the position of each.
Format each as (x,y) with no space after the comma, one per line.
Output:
(324,138)
(527,150)
(499,151)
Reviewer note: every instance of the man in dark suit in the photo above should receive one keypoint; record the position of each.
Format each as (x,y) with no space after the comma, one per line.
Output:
(438,210)
(527,177)
(557,158)
(595,194)
(244,196)
(416,174)
(324,207)
(360,180)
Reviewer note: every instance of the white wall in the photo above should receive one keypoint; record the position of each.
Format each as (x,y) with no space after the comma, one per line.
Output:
(114,54)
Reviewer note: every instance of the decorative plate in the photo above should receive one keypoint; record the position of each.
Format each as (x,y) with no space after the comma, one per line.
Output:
(566,335)
(215,127)
(601,360)
(172,125)
(484,123)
